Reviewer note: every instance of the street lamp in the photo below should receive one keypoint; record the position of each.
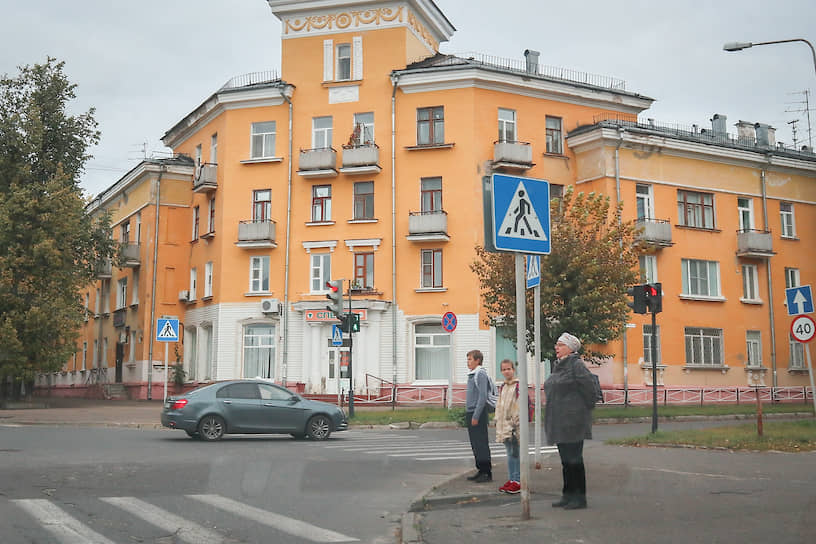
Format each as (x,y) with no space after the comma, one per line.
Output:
(739,46)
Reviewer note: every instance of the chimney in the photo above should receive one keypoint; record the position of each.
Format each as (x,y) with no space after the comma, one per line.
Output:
(746,132)
(532,60)
(718,124)
(765,135)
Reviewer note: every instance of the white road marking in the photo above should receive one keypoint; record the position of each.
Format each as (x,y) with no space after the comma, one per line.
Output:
(276,521)
(65,528)
(185,530)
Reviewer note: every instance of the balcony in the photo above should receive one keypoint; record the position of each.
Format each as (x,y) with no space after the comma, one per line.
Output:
(428,226)
(512,155)
(104,269)
(318,163)
(361,159)
(654,232)
(205,178)
(253,234)
(754,243)
(119,317)
(129,255)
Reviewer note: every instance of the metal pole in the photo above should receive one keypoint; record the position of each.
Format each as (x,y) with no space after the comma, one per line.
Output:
(166,350)
(537,321)
(810,372)
(654,372)
(521,356)
(285,309)
(351,350)
(153,288)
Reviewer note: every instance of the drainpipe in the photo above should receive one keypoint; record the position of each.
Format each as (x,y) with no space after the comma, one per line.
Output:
(394,82)
(162,168)
(768,274)
(284,365)
(620,219)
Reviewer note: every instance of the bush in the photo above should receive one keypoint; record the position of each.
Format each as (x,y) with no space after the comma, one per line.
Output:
(179,374)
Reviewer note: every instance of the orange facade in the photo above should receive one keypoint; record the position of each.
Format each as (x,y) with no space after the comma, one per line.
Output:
(364,161)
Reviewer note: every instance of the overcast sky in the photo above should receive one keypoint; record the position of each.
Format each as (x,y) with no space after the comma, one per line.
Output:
(145,64)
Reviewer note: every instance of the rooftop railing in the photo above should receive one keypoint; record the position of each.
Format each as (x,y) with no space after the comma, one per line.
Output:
(252,78)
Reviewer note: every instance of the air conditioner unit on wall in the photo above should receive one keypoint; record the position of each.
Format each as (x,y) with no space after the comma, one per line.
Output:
(270,306)
(184,295)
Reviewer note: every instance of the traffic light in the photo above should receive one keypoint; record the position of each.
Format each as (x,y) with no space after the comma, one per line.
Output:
(654,297)
(352,321)
(638,294)
(335,296)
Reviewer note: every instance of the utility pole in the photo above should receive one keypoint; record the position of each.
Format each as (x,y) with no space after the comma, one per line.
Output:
(793,130)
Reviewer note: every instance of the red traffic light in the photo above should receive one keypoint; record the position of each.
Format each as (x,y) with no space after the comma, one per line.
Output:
(333,288)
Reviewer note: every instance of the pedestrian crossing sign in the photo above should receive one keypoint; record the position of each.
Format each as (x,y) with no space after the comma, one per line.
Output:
(521,214)
(167,330)
(533,271)
(337,335)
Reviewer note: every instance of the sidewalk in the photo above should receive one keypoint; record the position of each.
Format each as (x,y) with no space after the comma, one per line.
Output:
(140,414)
(635,495)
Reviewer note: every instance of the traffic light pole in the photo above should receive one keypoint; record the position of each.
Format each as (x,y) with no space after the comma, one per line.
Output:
(349,319)
(654,372)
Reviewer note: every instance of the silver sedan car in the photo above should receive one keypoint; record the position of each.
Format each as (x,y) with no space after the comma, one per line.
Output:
(252,406)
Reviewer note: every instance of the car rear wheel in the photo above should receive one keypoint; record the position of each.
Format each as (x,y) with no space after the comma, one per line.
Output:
(211,428)
(319,427)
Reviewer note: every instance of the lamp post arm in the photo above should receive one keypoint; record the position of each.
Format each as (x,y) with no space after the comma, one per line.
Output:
(812,50)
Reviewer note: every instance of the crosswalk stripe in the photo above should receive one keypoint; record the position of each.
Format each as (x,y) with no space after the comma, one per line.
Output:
(276,521)
(187,531)
(547,450)
(64,527)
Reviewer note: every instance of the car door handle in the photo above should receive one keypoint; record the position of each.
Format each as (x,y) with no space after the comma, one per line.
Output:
(227,402)
(268,404)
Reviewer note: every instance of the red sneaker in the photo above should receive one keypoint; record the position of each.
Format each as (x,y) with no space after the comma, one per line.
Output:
(513,488)
(503,488)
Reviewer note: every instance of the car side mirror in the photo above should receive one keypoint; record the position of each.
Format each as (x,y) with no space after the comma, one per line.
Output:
(294,399)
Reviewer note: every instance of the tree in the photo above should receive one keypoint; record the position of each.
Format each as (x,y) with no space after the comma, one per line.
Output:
(583,281)
(49,244)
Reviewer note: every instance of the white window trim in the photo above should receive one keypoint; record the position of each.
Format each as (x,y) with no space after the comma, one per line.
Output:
(649,198)
(505,123)
(743,298)
(792,235)
(749,209)
(193,284)
(208,279)
(692,296)
(252,135)
(413,322)
(363,242)
(748,353)
(322,282)
(650,268)
(251,260)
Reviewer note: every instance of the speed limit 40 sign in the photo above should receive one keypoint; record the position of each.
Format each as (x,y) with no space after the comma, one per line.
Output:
(803,328)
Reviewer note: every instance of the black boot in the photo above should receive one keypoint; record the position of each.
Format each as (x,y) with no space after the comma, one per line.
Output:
(475,476)
(562,502)
(576,502)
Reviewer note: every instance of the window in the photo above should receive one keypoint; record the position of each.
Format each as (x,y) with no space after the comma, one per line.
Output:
(190,352)
(121,293)
(214,149)
(647,344)
(138,227)
(259,351)
(262,143)
(198,155)
(196,219)
(321,132)
(84,355)
(208,279)
(343,70)
(750,282)
(364,200)
(193,280)
(211,216)
(261,205)
(87,301)
(753,348)
(246,390)
(105,351)
(797,354)
(787,219)
(95,354)
(135,288)
(259,274)
(745,209)
(701,278)
(507,125)
(124,232)
(431,268)
(432,351)
(791,278)
(648,268)
(431,195)
(695,209)
(98,301)
(363,129)
(321,203)
(320,271)
(363,270)
(645,202)
(430,126)
(703,347)
(553,128)
(273,392)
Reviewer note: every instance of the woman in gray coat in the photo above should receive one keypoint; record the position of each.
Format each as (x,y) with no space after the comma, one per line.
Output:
(570,392)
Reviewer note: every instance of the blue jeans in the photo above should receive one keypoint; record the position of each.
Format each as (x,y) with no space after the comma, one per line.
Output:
(513,461)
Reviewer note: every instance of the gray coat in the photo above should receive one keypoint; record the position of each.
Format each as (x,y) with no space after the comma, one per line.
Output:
(570,392)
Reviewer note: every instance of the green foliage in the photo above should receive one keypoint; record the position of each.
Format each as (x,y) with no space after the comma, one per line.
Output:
(594,257)
(49,244)
(179,374)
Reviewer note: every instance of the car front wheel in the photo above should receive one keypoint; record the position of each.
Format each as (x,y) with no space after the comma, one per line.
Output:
(319,427)
(211,428)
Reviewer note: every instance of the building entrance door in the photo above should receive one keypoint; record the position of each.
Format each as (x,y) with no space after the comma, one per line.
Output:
(336,369)
(120,356)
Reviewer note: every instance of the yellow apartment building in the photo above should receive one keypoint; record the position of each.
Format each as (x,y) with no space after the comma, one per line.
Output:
(364,160)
